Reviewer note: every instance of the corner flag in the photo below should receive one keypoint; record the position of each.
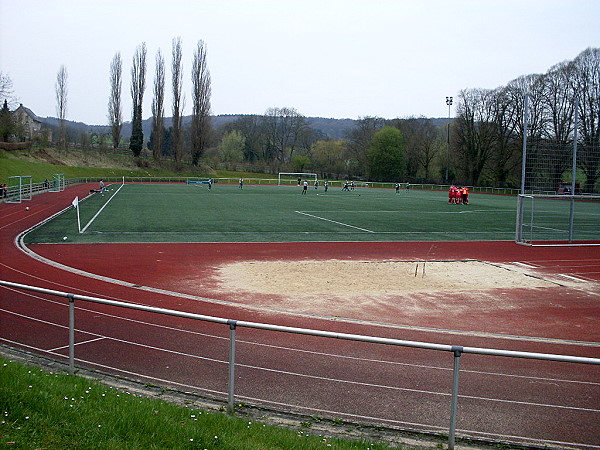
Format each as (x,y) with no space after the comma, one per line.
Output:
(75,204)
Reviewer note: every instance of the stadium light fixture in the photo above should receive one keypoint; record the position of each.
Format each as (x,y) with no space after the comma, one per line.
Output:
(449,103)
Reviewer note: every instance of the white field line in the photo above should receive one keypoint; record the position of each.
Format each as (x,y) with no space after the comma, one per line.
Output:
(333,221)
(100,210)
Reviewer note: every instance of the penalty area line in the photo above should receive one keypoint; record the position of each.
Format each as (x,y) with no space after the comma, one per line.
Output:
(333,221)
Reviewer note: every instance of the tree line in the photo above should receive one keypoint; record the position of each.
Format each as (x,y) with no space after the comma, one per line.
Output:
(488,132)
(201,91)
(481,145)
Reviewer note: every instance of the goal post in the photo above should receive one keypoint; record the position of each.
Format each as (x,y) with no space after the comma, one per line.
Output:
(558,220)
(20,188)
(292,177)
(58,182)
(199,181)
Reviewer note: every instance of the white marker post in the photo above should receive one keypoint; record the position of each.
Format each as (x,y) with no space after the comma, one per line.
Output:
(75,204)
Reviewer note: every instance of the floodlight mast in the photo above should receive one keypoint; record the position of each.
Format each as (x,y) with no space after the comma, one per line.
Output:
(449,103)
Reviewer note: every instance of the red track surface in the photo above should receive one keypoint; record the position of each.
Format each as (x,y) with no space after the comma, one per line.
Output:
(506,399)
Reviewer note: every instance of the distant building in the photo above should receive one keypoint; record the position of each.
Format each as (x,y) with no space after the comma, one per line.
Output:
(29,126)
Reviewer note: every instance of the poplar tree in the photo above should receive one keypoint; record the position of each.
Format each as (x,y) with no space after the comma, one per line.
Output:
(115,116)
(201,91)
(138,85)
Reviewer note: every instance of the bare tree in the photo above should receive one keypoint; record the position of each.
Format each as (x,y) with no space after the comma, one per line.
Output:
(285,129)
(251,127)
(587,67)
(423,144)
(359,139)
(7,92)
(474,133)
(158,109)
(201,91)
(61,104)
(138,86)
(177,82)
(115,116)
(507,122)
(559,110)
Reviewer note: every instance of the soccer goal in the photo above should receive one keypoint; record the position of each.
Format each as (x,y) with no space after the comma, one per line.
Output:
(58,183)
(555,220)
(199,181)
(20,188)
(288,178)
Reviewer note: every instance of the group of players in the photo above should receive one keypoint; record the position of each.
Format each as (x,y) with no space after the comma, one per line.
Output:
(458,195)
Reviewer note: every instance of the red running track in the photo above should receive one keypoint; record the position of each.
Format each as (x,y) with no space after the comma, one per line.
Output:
(555,404)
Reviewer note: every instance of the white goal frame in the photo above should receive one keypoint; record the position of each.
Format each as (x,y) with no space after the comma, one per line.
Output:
(538,223)
(303,175)
(20,191)
(58,183)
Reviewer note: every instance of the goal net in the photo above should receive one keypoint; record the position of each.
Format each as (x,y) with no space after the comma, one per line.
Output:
(558,219)
(289,178)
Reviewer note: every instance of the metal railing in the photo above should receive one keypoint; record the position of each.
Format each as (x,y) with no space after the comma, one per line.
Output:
(456,350)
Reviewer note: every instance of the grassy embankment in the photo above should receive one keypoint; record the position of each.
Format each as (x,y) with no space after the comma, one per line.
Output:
(42,409)
(42,164)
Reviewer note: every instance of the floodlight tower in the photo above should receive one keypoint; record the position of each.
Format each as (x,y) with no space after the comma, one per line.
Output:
(449,103)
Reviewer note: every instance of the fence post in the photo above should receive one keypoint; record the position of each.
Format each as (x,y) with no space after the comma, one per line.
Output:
(71,333)
(232,326)
(457,350)
(573,171)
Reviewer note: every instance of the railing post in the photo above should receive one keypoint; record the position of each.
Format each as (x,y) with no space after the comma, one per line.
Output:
(71,333)
(231,400)
(457,350)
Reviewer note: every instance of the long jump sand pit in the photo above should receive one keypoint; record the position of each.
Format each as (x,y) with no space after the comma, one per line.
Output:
(333,287)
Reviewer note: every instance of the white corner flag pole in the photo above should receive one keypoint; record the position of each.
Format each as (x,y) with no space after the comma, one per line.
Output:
(75,204)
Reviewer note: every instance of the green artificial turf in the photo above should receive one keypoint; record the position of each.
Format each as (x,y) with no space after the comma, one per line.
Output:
(193,213)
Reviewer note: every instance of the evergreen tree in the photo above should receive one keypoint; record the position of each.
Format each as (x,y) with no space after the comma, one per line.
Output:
(7,123)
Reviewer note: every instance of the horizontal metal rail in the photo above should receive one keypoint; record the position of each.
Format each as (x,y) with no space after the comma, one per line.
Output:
(456,350)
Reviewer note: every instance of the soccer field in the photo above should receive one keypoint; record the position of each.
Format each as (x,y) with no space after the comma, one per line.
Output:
(193,213)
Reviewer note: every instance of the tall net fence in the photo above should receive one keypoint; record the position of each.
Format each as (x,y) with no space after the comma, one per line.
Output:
(559,203)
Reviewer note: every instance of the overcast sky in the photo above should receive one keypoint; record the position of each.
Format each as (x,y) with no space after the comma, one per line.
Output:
(326,58)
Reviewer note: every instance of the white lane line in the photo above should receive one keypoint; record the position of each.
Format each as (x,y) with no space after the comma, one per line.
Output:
(76,344)
(333,221)
(570,277)
(529,266)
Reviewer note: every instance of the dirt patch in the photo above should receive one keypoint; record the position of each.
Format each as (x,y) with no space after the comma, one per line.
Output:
(352,278)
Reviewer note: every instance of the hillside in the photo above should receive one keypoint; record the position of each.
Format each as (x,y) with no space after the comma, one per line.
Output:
(332,128)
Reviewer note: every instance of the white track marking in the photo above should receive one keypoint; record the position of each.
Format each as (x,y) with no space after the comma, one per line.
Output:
(261,308)
(278,347)
(529,266)
(76,344)
(570,277)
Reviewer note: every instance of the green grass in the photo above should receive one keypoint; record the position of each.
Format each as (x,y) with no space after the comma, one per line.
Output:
(77,163)
(41,409)
(188,213)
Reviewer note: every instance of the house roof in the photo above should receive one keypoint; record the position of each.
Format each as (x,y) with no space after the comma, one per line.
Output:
(29,112)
